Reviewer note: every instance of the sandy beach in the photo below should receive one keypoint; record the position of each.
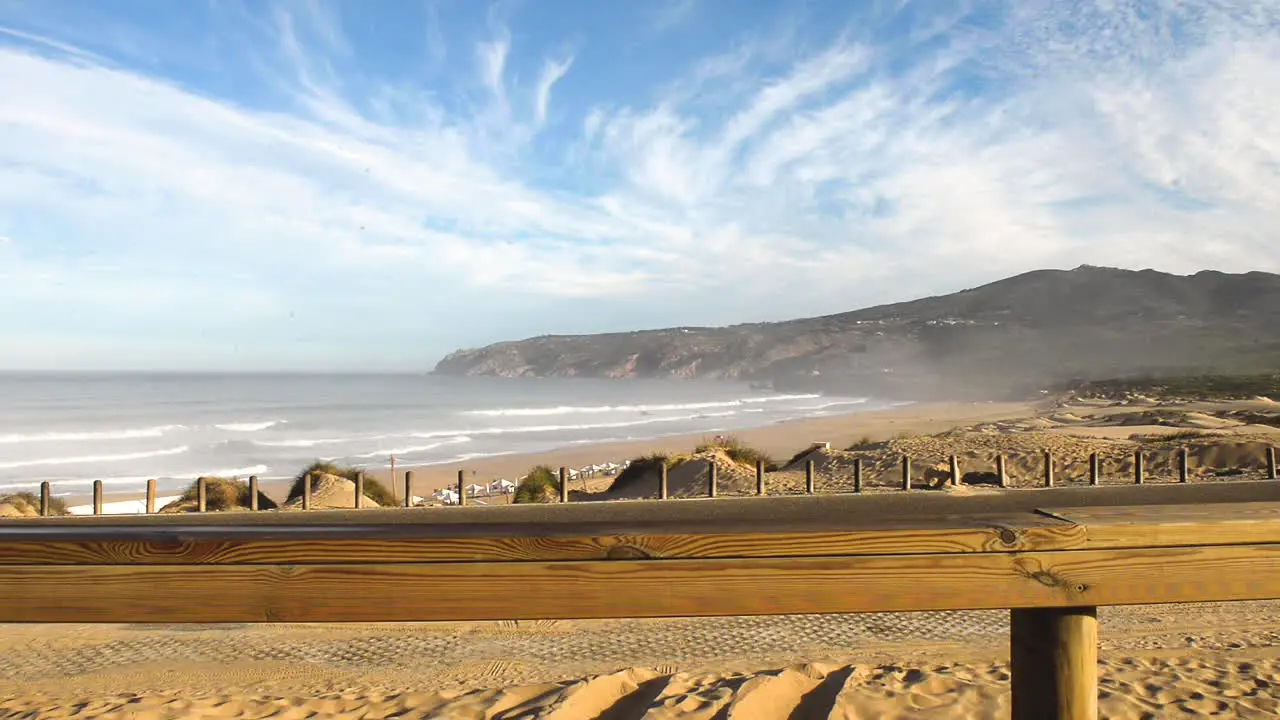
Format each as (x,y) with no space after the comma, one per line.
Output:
(780,440)
(1163,661)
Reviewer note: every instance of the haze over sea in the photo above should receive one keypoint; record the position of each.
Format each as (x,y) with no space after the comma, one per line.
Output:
(123,429)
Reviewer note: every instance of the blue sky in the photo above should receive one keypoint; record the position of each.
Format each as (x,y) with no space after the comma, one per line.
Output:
(320,184)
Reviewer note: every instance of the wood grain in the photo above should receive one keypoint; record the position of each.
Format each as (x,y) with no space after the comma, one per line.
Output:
(197,545)
(641,588)
(1054,663)
(1176,525)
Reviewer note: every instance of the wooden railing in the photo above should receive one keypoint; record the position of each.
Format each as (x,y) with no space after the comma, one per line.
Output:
(1051,555)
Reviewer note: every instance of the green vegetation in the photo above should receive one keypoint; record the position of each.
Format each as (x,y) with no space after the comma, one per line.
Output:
(542,486)
(223,494)
(1206,387)
(1180,435)
(640,467)
(56,505)
(373,489)
(738,452)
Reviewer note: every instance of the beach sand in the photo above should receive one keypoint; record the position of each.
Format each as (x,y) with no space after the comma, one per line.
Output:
(780,440)
(1155,662)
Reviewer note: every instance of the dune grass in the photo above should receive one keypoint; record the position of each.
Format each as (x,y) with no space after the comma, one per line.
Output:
(57,506)
(373,489)
(223,494)
(639,468)
(541,486)
(738,452)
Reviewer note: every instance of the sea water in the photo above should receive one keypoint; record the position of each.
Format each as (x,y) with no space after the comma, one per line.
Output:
(123,429)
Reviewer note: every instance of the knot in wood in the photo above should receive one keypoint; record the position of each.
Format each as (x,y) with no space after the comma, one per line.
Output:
(1007,535)
(628,552)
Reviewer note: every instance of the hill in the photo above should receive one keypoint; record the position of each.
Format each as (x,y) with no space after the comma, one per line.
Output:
(1007,338)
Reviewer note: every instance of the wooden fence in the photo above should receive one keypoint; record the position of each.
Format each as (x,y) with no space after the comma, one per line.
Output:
(1051,555)
(907,479)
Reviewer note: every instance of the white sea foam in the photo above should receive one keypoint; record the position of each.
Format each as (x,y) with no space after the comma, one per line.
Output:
(308,442)
(411,450)
(129,434)
(249,426)
(123,457)
(122,507)
(562,428)
(575,409)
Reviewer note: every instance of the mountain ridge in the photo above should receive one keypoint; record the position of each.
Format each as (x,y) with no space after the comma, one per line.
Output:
(1039,327)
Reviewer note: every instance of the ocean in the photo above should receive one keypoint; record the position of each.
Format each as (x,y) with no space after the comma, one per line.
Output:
(124,429)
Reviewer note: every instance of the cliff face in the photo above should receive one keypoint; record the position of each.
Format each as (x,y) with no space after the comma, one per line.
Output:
(1010,335)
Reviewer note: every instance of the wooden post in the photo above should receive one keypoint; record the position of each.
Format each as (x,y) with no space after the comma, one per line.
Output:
(808,476)
(97,497)
(711,478)
(392,459)
(662,481)
(906,472)
(1184,465)
(1053,656)
(253,493)
(1271,463)
(760,477)
(955,471)
(564,484)
(151,496)
(462,490)
(202,495)
(359,490)
(1001,474)
(857,475)
(408,488)
(306,491)
(1137,467)
(1095,468)
(1048,469)
(44,499)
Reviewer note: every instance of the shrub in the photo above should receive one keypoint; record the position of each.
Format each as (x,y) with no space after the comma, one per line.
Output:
(223,494)
(541,486)
(638,468)
(57,506)
(738,452)
(864,443)
(373,489)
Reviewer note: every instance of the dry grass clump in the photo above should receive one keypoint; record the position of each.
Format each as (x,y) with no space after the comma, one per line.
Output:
(373,489)
(28,503)
(737,451)
(640,468)
(541,486)
(220,494)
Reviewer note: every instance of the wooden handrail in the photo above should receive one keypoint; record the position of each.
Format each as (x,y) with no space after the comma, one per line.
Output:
(1049,555)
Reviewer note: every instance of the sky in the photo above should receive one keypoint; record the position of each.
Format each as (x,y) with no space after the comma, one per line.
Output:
(354,185)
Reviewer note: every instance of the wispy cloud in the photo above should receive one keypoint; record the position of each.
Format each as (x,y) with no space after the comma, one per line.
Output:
(914,149)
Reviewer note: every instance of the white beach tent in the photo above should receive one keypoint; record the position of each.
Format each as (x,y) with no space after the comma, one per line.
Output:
(474,489)
(503,486)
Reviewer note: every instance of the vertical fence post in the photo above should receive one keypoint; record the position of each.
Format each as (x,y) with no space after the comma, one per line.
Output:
(808,476)
(955,471)
(151,496)
(1001,474)
(759,477)
(1095,468)
(711,478)
(97,497)
(306,490)
(906,472)
(1048,469)
(564,484)
(662,480)
(408,488)
(1271,463)
(857,475)
(44,499)
(202,494)
(359,490)
(253,492)
(1184,465)
(1053,660)
(1138,470)
(462,490)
